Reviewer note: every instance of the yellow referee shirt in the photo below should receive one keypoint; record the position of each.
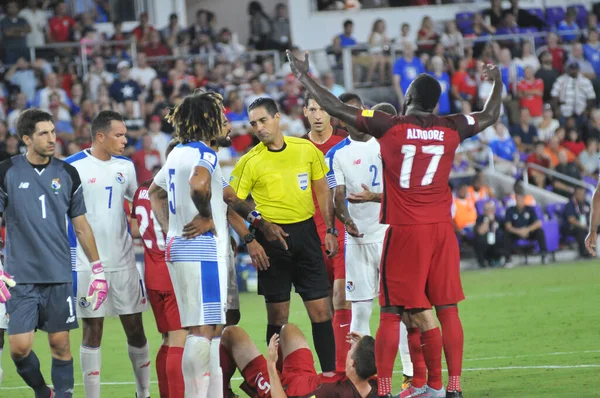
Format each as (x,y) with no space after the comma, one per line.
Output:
(280,181)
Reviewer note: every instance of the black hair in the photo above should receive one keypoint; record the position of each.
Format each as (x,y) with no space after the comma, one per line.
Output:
(386,108)
(28,120)
(264,102)
(198,118)
(519,188)
(348,97)
(103,120)
(364,357)
(307,97)
(348,22)
(425,92)
(254,7)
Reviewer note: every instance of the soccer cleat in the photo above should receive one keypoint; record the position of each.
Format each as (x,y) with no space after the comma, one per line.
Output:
(454,394)
(413,391)
(389,396)
(406,381)
(431,393)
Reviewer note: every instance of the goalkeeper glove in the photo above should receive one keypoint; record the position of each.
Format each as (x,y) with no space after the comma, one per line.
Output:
(6,281)
(98,290)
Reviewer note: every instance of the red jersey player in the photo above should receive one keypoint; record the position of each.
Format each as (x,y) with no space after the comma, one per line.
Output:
(420,265)
(160,294)
(325,137)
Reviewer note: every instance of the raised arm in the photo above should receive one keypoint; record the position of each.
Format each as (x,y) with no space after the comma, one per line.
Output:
(491,111)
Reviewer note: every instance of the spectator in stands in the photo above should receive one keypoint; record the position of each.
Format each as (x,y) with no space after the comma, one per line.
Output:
(160,140)
(554,148)
(592,51)
(547,127)
(509,27)
(528,57)
(155,95)
(590,24)
(293,125)
(524,133)
(506,155)
(378,43)
(171,33)
(200,75)
(524,18)
(143,74)
(20,104)
(427,37)
(567,29)
(290,96)
(541,158)
(238,118)
(97,77)
(518,188)
(406,69)
(576,219)
(42,97)
(60,26)
(145,159)
(593,127)
(118,35)
(465,212)
(489,244)
(480,29)
(346,38)
(14,31)
(23,76)
(494,14)
(203,45)
(568,168)
(573,142)
(405,37)
(77,97)
(464,86)
(330,84)
(258,91)
(260,27)
(124,88)
(135,126)
(202,26)
(37,18)
(511,72)
(11,147)
(437,71)
(548,74)
(573,95)
(281,34)
(530,91)
(141,33)
(225,46)
(522,222)
(155,47)
(585,67)
(589,158)
(559,55)
(452,40)
(478,190)
(460,164)
(60,116)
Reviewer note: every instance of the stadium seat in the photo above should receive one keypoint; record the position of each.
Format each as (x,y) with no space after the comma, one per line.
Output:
(555,210)
(539,212)
(464,22)
(554,15)
(582,13)
(552,232)
(538,12)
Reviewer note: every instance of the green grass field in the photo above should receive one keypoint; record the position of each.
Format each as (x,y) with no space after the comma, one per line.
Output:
(529,332)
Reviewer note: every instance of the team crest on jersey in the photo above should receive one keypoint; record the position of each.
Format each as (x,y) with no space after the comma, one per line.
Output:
(120,178)
(350,286)
(303,181)
(55,184)
(84,303)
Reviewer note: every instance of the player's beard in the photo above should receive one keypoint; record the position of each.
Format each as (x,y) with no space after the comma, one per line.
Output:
(221,142)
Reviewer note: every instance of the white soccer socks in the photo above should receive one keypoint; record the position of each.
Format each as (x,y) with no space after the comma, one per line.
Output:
(140,360)
(361,317)
(90,367)
(215,388)
(196,366)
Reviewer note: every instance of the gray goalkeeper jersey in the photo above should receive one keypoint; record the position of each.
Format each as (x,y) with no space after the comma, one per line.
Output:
(35,201)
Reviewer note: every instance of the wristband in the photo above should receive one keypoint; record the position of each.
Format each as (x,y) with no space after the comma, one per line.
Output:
(333,231)
(254,218)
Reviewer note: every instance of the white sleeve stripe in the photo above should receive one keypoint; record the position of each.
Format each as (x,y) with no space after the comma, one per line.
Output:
(224,183)
(206,165)
(331,181)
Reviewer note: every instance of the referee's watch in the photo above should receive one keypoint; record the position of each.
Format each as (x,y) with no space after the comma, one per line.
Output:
(333,231)
(249,238)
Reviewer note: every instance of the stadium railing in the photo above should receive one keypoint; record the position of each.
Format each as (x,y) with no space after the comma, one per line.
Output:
(554,174)
(212,57)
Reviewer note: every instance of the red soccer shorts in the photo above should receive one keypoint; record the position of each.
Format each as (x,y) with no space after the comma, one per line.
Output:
(298,377)
(420,266)
(336,266)
(166,312)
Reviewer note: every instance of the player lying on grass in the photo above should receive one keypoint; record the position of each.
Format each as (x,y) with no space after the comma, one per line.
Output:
(297,377)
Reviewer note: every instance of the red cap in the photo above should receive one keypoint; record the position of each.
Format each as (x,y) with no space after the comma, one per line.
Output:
(155,118)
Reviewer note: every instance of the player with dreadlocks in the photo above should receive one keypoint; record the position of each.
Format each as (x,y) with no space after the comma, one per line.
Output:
(187,200)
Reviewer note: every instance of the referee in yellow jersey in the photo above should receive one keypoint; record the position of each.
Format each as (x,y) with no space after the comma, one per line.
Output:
(281,173)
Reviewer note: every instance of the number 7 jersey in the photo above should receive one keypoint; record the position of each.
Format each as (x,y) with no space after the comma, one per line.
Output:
(106,184)
(417,154)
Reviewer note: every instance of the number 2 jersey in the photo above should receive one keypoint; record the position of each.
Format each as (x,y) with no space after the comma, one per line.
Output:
(156,273)
(417,154)
(106,185)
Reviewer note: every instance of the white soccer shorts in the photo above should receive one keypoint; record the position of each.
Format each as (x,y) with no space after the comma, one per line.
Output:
(233,294)
(126,294)
(362,271)
(3,317)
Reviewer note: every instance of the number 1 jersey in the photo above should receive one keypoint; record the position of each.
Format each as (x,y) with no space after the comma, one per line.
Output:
(106,184)
(417,154)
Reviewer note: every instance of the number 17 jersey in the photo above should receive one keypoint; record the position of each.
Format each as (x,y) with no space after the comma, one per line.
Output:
(417,154)
(106,184)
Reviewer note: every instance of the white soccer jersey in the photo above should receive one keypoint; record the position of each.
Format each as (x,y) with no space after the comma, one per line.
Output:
(174,178)
(106,184)
(353,163)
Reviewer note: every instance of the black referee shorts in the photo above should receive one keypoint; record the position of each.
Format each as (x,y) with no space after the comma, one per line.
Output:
(302,265)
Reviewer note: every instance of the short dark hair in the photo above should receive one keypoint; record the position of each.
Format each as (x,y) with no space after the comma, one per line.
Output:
(386,108)
(348,22)
(264,102)
(364,357)
(102,121)
(307,97)
(348,97)
(425,91)
(29,119)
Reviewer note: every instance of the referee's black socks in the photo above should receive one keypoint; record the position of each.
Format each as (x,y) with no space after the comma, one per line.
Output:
(29,370)
(271,330)
(324,345)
